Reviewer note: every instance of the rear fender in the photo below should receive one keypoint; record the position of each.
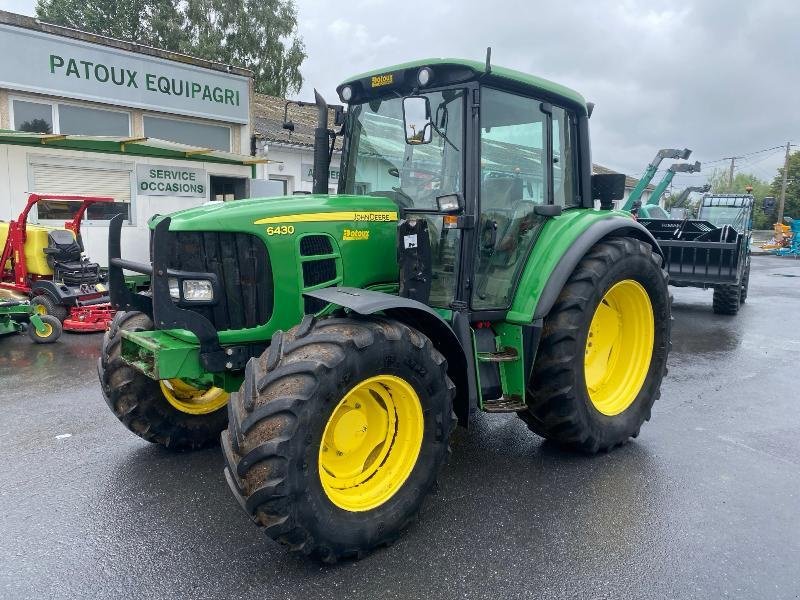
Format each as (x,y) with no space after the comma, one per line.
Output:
(555,257)
(425,319)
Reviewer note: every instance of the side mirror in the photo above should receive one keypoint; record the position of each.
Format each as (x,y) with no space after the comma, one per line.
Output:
(417,120)
(338,116)
(608,187)
(768,204)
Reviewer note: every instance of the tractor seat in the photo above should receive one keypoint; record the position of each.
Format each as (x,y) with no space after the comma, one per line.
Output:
(62,247)
(64,257)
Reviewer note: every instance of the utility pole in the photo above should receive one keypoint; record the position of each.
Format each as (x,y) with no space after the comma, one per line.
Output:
(730,175)
(783,184)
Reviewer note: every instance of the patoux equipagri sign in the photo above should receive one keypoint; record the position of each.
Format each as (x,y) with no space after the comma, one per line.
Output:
(39,62)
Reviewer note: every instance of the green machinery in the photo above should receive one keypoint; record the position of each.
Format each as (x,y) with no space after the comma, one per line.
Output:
(17,316)
(659,190)
(650,172)
(461,268)
(652,210)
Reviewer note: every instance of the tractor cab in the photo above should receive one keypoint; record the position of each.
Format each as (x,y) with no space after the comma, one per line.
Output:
(476,166)
(734,210)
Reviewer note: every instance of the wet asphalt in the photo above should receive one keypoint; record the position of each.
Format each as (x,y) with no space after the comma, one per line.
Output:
(704,504)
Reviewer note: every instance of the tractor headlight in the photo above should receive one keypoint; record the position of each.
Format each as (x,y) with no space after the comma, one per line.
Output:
(198,290)
(347,93)
(174,290)
(424,76)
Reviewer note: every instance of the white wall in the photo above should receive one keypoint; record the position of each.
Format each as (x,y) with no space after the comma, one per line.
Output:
(287,165)
(14,188)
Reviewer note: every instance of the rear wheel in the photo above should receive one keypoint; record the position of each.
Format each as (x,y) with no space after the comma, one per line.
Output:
(727,299)
(45,305)
(745,281)
(51,332)
(173,413)
(338,434)
(604,349)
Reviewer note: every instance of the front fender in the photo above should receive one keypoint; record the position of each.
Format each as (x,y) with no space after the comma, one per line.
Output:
(423,318)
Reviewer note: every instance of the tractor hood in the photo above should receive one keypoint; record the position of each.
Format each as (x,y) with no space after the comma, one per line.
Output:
(243,215)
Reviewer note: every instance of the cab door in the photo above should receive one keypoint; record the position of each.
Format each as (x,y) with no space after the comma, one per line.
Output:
(527,158)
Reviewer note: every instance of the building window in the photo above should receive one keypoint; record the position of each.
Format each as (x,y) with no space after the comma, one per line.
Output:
(67,177)
(81,120)
(35,117)
(204,135)
(68,119)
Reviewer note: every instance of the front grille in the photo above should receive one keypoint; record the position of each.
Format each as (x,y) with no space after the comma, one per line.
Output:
(319,271)
(313,245)
(241,263)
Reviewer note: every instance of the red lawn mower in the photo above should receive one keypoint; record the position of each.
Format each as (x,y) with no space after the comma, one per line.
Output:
(48,264)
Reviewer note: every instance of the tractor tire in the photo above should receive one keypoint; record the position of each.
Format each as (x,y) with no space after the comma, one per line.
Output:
(745,281)
(139,402)
(603,352)
(45,305)
(727,299)
(53,327)
(300,457)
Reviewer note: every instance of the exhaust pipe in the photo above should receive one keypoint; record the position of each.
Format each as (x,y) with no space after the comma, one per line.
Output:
(321,152)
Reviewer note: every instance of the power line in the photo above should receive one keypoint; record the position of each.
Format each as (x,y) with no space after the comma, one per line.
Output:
(737,157)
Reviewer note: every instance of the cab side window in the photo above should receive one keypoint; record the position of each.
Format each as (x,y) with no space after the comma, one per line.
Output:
(565,158)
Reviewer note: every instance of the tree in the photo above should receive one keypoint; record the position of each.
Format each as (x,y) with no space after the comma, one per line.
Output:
(154,23)
(792,206)
(258,35)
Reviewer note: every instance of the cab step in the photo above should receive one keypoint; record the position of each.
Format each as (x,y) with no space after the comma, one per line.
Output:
(504,405)
(504,355)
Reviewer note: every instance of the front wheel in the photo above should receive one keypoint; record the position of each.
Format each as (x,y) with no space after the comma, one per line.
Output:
(338,434)
(727,299)
(173,413)
(604,349)
(50,332)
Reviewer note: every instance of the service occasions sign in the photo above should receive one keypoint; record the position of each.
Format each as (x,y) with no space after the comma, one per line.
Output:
(33,61)
(155,180)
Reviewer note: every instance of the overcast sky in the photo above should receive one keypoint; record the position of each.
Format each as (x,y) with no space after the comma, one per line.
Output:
(718,76)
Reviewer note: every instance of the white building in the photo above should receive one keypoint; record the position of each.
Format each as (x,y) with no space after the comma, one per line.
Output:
(85,114)
(290,153)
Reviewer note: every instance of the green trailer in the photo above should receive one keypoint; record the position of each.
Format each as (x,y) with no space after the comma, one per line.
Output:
(334,341)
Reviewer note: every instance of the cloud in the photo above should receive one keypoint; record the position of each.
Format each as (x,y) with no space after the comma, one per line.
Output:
(716,76)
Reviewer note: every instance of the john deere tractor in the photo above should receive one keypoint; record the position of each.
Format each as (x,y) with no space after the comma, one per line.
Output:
(334,341)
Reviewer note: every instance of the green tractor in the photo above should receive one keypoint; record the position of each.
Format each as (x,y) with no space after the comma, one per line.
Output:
(334,341)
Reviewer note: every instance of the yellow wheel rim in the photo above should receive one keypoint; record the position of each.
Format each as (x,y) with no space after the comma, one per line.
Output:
(619,347)
(371,443)
(40,309)
(189,399)
(48,329)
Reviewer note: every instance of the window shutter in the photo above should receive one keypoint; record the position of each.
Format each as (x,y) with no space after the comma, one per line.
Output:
(63,179)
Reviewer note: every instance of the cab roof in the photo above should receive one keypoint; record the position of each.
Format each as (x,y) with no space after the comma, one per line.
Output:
(476,69)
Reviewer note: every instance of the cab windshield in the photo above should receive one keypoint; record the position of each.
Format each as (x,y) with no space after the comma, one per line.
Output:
(734,216)
(379,162)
